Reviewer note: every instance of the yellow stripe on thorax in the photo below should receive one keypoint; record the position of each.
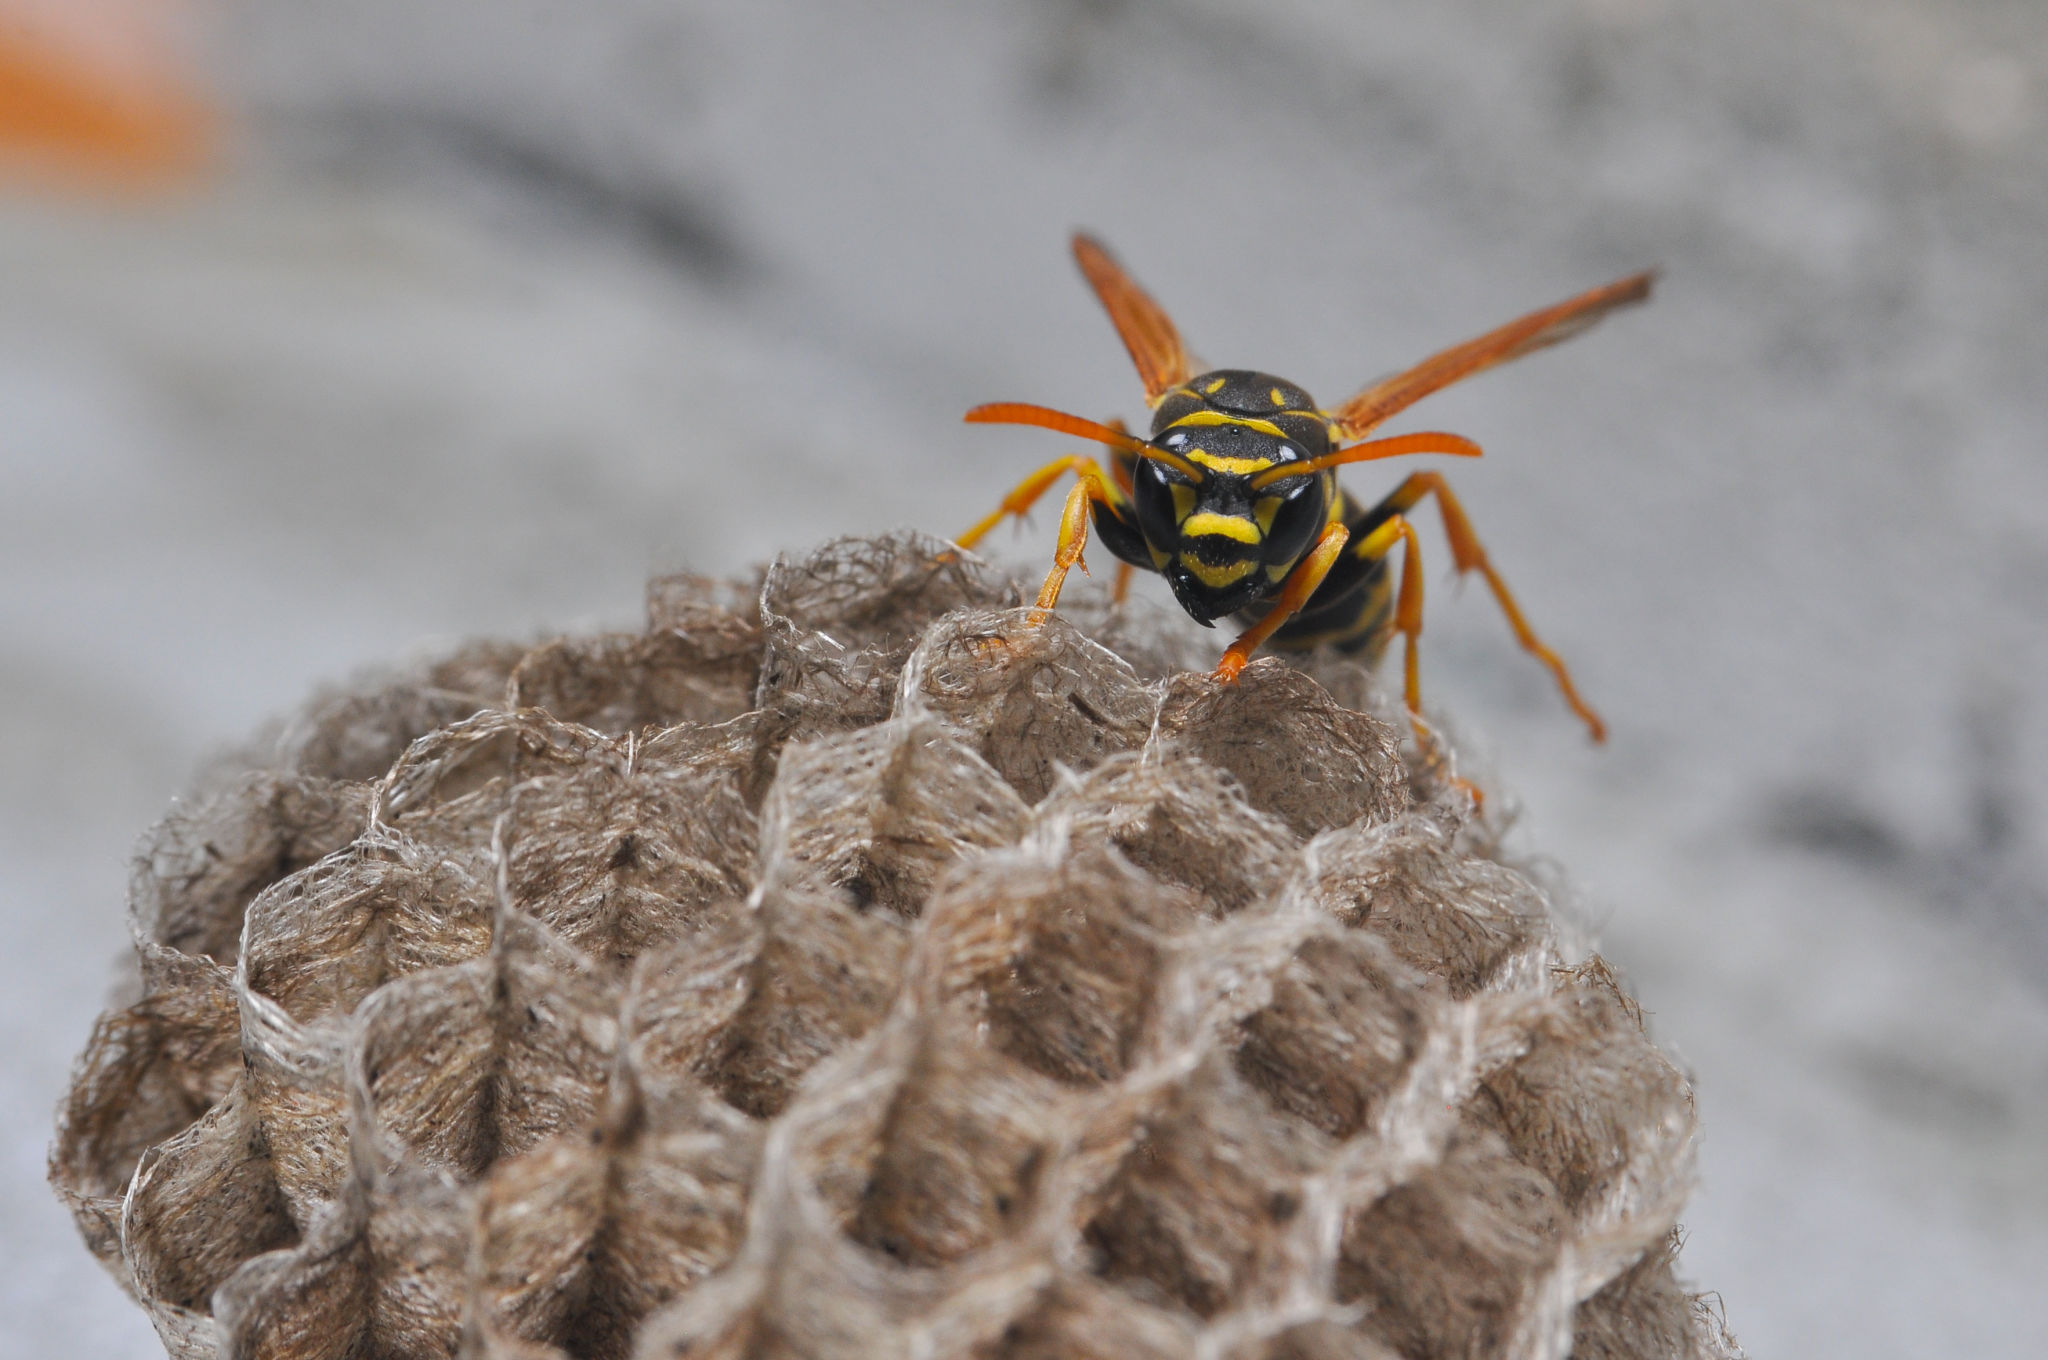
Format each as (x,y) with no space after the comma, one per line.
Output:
(1218,418)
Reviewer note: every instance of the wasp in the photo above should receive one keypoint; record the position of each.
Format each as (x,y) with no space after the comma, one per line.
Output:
(1234,498)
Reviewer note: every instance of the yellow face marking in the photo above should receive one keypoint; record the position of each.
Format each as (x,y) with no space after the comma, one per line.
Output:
(1213,388)
(1277,572)
(1266,508)
(1160,558)
(1278,400)
(1222,464)
(1218,577)
(1218,418)
(1183,501)
(1224,526)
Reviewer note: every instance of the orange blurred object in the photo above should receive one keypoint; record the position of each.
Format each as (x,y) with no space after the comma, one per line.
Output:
(99,93)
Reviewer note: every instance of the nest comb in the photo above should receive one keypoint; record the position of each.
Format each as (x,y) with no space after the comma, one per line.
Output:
(845,967)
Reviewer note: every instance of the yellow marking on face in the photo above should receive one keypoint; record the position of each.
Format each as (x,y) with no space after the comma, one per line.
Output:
(1213,388)
(1223,526)
(1277,571)
(1278,400)
(1218,577)
(1266,508)
(1222,464)
(1160,557)
(1183,501)
(1218,418)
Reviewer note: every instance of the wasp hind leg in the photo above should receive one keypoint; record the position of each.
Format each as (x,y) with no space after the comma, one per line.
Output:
(1408,623)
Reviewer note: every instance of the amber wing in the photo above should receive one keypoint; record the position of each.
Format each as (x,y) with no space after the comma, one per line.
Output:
(1540,328)
(1148,333)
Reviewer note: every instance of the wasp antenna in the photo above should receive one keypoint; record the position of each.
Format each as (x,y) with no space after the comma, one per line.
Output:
(1395,446)
(1024,413)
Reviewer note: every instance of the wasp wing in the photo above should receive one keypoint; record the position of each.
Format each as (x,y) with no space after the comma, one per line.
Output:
(1534,331)
(1147,331)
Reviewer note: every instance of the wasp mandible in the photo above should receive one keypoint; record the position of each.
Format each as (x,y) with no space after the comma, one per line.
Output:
(1234,497)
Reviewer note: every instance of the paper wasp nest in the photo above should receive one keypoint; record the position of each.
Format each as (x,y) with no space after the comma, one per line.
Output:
(853,970)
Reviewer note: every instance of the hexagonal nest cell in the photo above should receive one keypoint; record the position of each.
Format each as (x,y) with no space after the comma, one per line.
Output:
(851,964)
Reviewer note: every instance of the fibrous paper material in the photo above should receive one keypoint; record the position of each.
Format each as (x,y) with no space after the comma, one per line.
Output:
(857,964)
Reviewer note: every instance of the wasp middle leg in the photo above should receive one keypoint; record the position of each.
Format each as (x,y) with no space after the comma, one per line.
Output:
(1467,554)
(1407,621)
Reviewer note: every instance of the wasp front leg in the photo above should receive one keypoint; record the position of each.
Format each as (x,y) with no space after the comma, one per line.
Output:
(1302,582)
(1094,493)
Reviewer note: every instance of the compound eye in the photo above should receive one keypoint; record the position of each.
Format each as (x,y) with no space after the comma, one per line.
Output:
(1152,490)
(1291,487)
(1300,516)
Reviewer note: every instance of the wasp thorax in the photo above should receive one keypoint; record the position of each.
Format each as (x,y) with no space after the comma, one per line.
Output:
(1245,399)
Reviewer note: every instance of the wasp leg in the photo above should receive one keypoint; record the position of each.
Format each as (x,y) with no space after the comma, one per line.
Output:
(1408,623)
(1124,572)
(1067,556)
(1468,555)
(1093,492)
(1408,604)
(1027,492)
(1301,583)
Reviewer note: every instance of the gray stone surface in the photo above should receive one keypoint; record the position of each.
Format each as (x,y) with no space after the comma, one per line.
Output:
(500,306)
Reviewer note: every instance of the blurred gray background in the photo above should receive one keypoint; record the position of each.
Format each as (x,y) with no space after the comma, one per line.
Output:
(498,305)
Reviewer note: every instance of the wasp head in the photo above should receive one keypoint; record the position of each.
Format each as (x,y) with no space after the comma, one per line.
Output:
(1224,545)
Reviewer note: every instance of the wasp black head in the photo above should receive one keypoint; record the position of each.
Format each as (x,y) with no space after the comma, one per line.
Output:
(1223,546)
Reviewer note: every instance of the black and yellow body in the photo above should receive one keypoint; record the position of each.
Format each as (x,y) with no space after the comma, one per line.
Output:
(1227,548)
(1233,497)
(1223,547)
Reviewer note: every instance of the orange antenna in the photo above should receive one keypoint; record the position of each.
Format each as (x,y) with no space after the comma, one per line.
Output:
(1396,446)
(1024,413)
